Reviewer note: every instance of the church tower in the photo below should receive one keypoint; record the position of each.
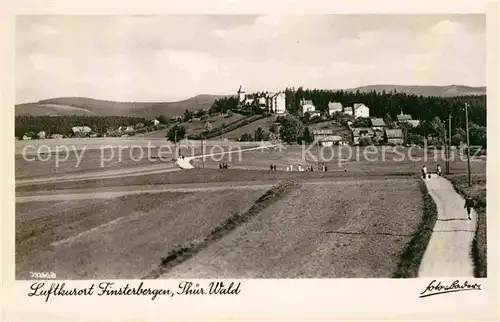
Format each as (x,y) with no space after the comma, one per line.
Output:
(241,95)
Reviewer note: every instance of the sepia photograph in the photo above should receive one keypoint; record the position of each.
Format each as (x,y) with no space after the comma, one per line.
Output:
(241,146)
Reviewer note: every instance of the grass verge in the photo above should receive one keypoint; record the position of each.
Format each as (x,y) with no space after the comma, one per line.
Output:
(412,256)
(183,252)
(479,243)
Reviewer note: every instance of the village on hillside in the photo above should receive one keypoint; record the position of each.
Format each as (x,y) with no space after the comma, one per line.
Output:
(234,117)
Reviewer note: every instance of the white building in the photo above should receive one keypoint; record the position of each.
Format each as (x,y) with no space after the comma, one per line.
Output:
(241,95)
(81,130)
(326,137)
(361,110)
(249,101)
(334,107)
(41,135)
(307,106)
(314,114)
(276,103)
(155,122)
(262,102)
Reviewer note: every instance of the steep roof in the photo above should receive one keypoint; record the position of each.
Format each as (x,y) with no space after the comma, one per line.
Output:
(334,138)
(81,129)
(377,121)
(336,106)
(394,133)
(322,132)
(414,123)
(404,117)
(358,105)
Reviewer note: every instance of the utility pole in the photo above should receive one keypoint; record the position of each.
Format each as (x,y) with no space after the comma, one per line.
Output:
(175,139)
(222,142)
(468,143)
(449,142)
(447,152)
(317,152)
(203,151)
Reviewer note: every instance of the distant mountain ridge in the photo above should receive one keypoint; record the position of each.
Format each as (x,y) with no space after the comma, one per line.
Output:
(425,90)
(90,106)
(96,107)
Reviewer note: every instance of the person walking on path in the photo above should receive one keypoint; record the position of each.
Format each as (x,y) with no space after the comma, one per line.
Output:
(469,204)
(438,171)
(424,172)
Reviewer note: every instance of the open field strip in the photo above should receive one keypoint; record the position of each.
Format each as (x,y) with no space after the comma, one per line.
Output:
(117,191)
(185,163)
(448,251)
(97,161)
(104,174)
(124,237)
(354,229)
(206,176)
(115,194)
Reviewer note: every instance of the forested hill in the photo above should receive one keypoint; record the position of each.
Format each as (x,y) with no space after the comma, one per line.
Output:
(62,106)
(438,91)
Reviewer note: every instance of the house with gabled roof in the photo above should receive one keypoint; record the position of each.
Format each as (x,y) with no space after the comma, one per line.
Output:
(377,123)
(81,131)
(307,106)
(394,136)
(326,137)
(334,107)
(361,110)
(406,118)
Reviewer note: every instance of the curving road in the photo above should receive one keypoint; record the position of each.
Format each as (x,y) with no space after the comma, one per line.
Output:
(448,251)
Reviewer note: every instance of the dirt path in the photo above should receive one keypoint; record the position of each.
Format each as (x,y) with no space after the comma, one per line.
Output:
(448,251)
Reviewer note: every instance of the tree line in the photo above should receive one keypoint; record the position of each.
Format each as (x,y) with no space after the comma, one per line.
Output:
(390,104)
(31,125)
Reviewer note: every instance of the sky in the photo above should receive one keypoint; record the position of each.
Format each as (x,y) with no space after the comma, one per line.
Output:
(169,58)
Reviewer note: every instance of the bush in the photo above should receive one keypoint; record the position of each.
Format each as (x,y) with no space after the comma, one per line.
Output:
(245,137)
(365,141)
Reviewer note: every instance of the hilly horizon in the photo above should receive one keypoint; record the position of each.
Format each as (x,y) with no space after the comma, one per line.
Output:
(425,90)
(61,106)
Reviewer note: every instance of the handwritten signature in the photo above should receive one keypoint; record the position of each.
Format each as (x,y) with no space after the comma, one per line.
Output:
(436,288)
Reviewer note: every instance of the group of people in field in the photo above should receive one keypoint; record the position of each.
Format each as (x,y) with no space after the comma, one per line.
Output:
(426,175)
(469,202)
(223,165)
(300,168)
